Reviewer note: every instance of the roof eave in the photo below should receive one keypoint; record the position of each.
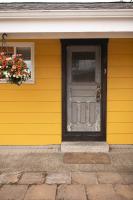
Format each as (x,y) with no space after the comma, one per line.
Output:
(66,14)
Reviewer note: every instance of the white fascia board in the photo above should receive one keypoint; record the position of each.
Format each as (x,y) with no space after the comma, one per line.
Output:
(66,14)
(66,25)
(56,22)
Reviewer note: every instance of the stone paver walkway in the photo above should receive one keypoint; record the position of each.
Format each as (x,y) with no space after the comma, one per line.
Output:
(50,176)
(66,186)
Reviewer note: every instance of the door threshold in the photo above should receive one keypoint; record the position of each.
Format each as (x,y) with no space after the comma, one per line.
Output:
(85,147)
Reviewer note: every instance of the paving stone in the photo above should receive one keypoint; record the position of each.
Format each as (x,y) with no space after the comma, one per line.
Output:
(71,192)
(109,177)
(54,162)
(32,178)
(41,192)
(11,177)
(84,178)
(125,191)
(102,192)
(58,178)
(13,192)
(127,177)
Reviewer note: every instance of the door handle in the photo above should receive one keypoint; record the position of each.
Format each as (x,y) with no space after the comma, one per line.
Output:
(98,93)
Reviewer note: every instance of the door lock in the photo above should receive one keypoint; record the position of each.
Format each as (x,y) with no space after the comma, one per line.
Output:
(98,93)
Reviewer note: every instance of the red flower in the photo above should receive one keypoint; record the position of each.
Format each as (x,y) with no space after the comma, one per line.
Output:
(19,67)
(4,63)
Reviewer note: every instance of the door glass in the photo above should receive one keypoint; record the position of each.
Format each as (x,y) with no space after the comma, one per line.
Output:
(83,95)
(83,66)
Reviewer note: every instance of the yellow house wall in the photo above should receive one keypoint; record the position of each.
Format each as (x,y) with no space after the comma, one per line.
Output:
(120,92)
(31,114)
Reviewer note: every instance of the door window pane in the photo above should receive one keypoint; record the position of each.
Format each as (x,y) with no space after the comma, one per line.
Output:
(83,66)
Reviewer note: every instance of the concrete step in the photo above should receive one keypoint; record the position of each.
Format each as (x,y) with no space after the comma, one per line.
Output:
(84,147)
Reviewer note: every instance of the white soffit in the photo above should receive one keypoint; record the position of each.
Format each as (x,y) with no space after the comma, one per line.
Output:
(57,23)
(63,35)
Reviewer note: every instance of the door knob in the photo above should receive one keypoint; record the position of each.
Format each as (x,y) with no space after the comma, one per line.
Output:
(98,93)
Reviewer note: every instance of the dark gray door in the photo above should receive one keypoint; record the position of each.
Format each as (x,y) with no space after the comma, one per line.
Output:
(83,88)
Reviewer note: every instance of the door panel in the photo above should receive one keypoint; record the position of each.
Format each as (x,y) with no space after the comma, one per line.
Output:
(83,89)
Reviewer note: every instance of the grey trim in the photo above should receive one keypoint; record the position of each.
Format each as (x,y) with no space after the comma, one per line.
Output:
(30,149)
(64,6)
(66,147)
(84,147)
(121,146)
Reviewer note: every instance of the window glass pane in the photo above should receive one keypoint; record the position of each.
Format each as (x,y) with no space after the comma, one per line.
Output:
(8,50)
(29,64)
(26,55)
(83,66)
(25,51)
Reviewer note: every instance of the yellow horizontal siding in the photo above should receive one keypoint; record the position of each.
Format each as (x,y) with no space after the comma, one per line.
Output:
(120,106)
(40,84)
(53,49)
(48,60)
(32,95)
(120,92)
(121,60)
(50,72)
(123,83)
(120,128)
(120,116)
(30,129)
(31,114)
(121,46)
(18,117)
(126,71)
(29,139)
(29,107)
(125,138)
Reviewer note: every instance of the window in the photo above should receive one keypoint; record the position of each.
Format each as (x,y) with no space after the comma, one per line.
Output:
(27,51)
(83,66)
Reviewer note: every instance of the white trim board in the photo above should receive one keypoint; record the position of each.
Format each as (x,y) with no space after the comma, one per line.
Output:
(60,26)
(66,14)
(65,24)
(70,35)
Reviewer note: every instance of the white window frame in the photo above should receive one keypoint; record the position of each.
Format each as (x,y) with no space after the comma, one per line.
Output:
(24,44)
